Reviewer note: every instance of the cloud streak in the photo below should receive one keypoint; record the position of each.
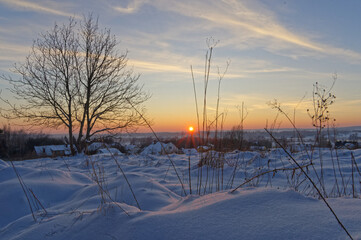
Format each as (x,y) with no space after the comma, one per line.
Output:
(31,6)
(157,67)
(131,8)
(239,20)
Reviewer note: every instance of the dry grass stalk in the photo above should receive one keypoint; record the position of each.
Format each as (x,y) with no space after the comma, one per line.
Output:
(33,201)
(99,179)
(312,182)
(163,148)
(274,171)
(213,161)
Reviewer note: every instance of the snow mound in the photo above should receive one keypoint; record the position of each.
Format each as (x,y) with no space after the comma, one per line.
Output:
(248,214)
(93,147)
(88,197)
(110,151)
(3,164)
(160,148)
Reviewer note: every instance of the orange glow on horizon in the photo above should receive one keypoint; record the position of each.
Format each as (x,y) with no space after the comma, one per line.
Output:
(183,122)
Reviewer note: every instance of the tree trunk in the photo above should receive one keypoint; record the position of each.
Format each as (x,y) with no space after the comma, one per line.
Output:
(71,140)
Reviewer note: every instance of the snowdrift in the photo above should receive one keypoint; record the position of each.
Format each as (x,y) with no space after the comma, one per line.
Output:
(69,190)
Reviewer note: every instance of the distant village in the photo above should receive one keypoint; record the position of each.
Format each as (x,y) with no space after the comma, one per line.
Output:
(19,145)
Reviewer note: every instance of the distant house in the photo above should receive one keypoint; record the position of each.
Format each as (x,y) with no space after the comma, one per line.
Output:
(53,150)
(160,148)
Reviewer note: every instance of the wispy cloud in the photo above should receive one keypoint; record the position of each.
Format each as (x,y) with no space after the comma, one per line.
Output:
(246,22)
(158,67)
(353,103)
(234,15)
(271,70)
(132,7)
(12,52)
(253,101)
(36,7)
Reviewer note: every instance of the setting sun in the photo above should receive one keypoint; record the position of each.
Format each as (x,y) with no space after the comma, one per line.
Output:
(190,129)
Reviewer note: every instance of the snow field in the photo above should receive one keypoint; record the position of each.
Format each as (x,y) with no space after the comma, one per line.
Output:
(266,208)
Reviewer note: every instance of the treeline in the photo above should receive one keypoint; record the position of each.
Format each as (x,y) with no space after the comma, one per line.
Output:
(19,144)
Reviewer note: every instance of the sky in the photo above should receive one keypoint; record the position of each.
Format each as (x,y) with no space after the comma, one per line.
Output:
(275,49)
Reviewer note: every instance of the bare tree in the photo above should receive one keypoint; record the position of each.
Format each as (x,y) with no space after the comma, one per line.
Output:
(109,90)
(75,77)
(48,82)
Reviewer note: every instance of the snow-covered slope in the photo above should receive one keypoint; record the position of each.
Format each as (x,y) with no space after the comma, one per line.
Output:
(75,209)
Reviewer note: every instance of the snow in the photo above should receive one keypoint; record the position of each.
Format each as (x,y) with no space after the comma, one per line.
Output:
(131,148)
(109,151)
(93,147)
(267,208)
(159,148)
(3,164)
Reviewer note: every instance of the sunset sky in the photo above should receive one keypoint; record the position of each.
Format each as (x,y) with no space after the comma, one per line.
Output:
(277,50)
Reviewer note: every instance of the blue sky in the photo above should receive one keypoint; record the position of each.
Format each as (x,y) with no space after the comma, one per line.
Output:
(277,50)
